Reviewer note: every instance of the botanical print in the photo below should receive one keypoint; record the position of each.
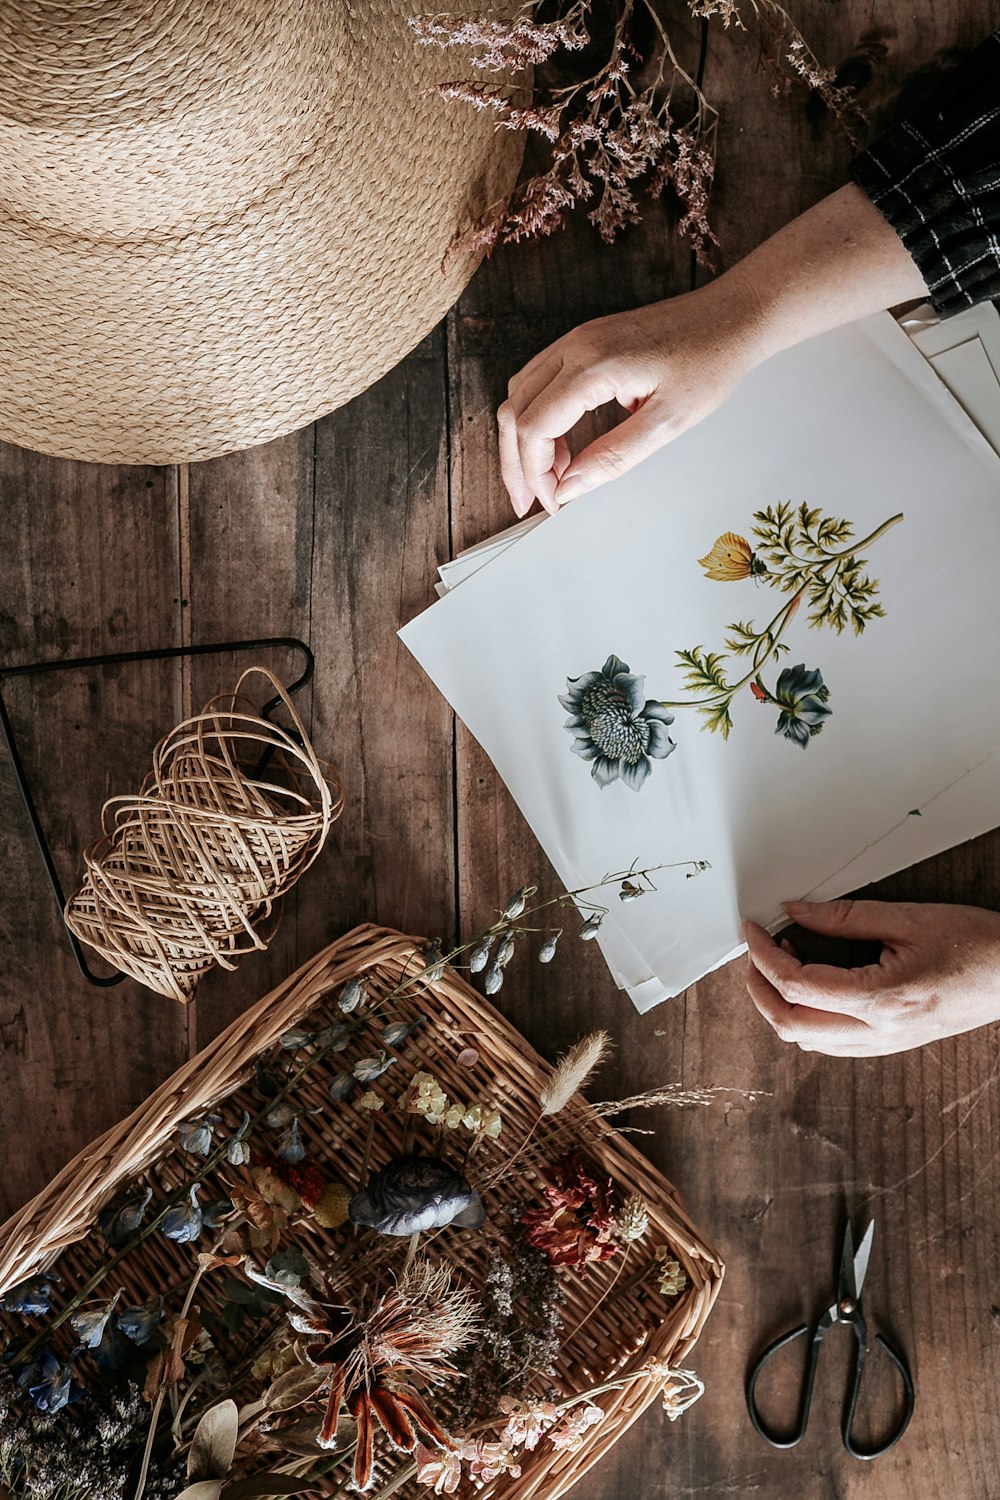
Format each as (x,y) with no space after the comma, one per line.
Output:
(813,559)
(801,553)
(615,725)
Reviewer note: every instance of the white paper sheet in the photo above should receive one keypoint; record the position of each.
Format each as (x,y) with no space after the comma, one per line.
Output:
(857,426)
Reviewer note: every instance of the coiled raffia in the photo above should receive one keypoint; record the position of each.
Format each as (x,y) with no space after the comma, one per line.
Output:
(189,872)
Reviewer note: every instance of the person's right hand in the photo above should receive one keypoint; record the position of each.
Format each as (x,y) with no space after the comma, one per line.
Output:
(668,364)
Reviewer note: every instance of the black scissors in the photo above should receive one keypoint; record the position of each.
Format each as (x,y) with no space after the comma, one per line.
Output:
(846,1309)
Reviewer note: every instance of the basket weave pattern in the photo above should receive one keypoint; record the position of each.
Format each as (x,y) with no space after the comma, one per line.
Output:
(624,1330)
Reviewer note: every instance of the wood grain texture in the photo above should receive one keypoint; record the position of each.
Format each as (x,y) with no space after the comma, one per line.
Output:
(89,564)
(333,534)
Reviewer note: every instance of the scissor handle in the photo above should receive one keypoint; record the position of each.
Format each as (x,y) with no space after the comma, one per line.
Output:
(847,1425)
(805,1401)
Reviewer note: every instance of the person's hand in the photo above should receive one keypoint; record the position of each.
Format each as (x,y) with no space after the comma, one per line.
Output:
(938,975)
(668,364)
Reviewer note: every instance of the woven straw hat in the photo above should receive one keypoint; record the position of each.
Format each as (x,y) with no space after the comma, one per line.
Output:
(220,219)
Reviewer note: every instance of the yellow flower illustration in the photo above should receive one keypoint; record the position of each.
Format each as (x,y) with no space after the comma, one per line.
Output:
(730,559)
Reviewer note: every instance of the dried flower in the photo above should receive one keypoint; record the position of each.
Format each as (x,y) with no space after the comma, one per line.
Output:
(373,1353)
(415,1194)
(367,1069)
(89,1326)
(633,1221)
(547,951)
(291,1147)
(342,1086)
(196,1135)
(578,1225)
(671,1277)
(140,1323)
(238,1150)
(572,1071)
(515,906)
(526,1421)
(434,963)
(591,927)
(183,1223)
(370,1101)
(397,1031)
(426,1097)
(480,955)
(488,1461)
(55,1388)
(352,995)
(439,1471)
(296,1039)
(32,1297)
(505,952)
(571,1434)
(331,1209)
(521,1299)
(118,1225)
(494,979)
(682,1389)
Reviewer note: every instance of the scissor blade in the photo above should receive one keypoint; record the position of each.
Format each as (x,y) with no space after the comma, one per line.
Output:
(846,1287)
(861,1259)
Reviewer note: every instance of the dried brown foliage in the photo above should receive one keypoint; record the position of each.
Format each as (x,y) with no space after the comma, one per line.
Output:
(633,122)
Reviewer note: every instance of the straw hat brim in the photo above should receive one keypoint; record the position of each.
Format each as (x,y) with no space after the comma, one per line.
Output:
(154,347)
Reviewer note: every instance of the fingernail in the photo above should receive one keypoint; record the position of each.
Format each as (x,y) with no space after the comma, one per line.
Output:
(793,906)
(521,507)
(568,488)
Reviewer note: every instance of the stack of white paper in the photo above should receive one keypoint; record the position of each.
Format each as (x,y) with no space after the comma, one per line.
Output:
(841,485)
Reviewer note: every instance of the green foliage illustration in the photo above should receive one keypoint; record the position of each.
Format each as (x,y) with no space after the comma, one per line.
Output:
(814,561)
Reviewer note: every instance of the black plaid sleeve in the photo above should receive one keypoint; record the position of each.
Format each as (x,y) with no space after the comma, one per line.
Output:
(936,179)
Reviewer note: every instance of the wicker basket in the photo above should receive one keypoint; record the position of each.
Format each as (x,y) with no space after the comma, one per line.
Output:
(628,1323)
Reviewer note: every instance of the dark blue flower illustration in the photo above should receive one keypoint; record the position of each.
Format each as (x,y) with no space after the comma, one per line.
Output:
(803,699)
(615,726)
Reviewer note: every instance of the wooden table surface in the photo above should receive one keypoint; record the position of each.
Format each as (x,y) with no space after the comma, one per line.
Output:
(333,534)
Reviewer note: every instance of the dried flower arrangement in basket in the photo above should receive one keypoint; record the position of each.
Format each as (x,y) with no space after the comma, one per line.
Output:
(616,110)
(366,1239)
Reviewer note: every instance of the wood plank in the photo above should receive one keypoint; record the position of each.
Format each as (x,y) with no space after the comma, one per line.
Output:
(330,535)
(89,564)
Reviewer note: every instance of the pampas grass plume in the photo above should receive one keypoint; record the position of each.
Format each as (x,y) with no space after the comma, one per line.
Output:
(572,1071)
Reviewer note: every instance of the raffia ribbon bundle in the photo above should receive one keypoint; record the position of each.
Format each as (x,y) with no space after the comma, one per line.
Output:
(189,872)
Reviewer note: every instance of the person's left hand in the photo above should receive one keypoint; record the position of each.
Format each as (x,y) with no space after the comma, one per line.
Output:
(938,975)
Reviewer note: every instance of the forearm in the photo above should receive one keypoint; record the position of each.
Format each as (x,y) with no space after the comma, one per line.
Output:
(838,261)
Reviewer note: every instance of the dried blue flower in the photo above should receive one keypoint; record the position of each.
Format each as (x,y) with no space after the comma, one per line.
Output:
(183,1222)
(89,1326)
(505,952)
(335,1037)
(238,1150)
(118,1225)
(480,955)
(494,979)
(295,1039)
(287,1268)
(342,1086)
(397,1031)
(280,1116)
(415,1194)
(434,964)
(196,1135)
(352,995)
(140,1323)
(55,1388)
(591,927)
(515,906)
(369,1068)
(214,1213)
(290,1147)
(547,951)
(112,1352)
(268,1080)
(32,1298)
